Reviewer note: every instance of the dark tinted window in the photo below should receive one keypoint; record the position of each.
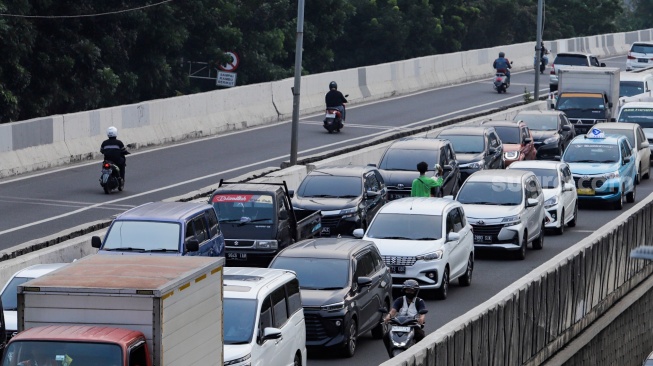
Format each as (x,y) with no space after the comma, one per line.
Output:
(378,261)
(214,227)
(574,60)
(641,116)
(265,319)
(642,48)
(630,88)
(401,226)
(9,296)
(279,307)
(584,102)
(463,219)
(137,355)
(630,134)
(540,122)
(464,144)
(508,134)
(494,140)
(371,184)
(239,318)
(490,193)
(403,159)
(454,221)
(548,177)
(197,228)
(294,297)
(310,271)
(591,153)
(330,186)
(364,265)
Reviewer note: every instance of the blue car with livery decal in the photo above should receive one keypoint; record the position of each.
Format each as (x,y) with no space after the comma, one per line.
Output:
(603,167)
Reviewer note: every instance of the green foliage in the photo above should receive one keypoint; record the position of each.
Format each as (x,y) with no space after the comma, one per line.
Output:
(528,98)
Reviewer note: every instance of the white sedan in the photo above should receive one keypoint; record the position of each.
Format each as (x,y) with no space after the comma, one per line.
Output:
(560,198)
(425,239)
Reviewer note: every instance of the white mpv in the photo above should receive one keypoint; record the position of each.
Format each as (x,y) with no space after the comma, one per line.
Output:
(425,239)
(263,318)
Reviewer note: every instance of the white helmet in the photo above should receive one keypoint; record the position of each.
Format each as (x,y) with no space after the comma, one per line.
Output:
(112,132)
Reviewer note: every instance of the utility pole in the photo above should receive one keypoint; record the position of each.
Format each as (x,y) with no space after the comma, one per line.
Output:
(298,81)
(538,48)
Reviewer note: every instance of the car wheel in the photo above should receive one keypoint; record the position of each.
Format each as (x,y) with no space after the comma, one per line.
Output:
(298,360)
(521,253)
(648,172)
(630,196)
(350,339)
(619,204)
(466,279)
(561,230)
(443,291)
(572,222)
(378,331)
(539,242)
(639,174)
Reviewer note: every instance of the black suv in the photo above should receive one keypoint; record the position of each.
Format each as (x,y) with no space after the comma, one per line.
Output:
(399,165)
(343,283)
(349,196)
(476,148)
(551,131)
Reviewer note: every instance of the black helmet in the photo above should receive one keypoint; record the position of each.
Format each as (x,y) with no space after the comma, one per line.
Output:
(333,85)
(412,285)
(501,54)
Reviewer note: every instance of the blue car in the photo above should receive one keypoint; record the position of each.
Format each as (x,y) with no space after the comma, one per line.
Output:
(603,167)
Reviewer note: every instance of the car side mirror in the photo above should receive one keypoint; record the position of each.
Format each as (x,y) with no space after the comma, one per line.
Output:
(453,236)
(283,215)
(602,64)
(371,194)
(557,157)
(626,160)
(531,202)
(645,144)
(447,168)
(364,281)
(271,333)
(566,128)
(449,197)
(291,193)
(528,140)
(96,242)
(358,233)
(192,245)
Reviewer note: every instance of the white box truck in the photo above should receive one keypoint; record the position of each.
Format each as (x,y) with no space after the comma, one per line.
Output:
(588,95)
(170,306)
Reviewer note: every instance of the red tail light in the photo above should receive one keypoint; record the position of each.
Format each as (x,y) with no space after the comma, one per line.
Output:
(107,166)
(553,69)
(497,79)
(631,57)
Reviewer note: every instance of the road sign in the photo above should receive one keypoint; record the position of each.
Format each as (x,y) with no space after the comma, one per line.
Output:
(226,79)
(232,65)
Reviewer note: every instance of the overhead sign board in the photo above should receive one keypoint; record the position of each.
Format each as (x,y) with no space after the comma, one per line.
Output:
(227,79)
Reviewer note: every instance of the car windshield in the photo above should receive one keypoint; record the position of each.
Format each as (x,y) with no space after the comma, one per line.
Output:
(591,153)
(642,48)
(401,226)
(630,88)
(571,60)
(330,186)
(508,134)
(9,297)
(311,271)
(238,316)
(466,144)
(143,235)
(245,208)
(585,102)
(548,177)
(539,122)
(641,116)
(404,159)
(630,134)
(63,352)
(491,193)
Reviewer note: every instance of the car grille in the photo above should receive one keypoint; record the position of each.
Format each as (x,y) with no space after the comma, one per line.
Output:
(581,121)
(398,261)
(589,182)
(487,229)
(314,329)
(330,221)
(239,243)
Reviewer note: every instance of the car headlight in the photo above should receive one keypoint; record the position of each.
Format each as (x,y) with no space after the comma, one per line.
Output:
(267,244)
(511,155)
(431,256)
(551,140)
(238,360)
(612,175)
(333,307)
(511,220)
(474,164)
(349,212)
(551,202)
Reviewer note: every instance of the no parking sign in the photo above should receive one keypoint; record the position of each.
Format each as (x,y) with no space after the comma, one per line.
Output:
(232,65)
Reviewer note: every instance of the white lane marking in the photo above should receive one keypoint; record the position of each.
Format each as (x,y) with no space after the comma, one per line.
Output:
(583,231)
(353,125)
(54,204)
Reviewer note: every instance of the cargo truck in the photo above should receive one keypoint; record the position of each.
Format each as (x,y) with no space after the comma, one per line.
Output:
(588,95)
(122,310)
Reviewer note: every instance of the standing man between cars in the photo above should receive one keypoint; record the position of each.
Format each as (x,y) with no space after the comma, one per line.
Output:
(409,305)
(114,151)
(543,59)
(335,99)
(422,186)
(503,65)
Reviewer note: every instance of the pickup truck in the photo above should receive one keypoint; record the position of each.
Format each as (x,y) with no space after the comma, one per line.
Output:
(107,310)
(258,220)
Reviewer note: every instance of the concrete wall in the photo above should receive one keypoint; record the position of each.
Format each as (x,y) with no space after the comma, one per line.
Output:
(62,139)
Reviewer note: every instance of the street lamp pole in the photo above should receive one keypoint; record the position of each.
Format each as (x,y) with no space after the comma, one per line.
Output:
(538,48)
(298,80)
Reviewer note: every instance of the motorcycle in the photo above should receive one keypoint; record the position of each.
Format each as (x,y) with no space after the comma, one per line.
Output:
(401,333)
(501,81)
(110,177)
(333,119)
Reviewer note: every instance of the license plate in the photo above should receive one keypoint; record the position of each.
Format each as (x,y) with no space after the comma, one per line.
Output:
(585,191)
(644,60)
(237,256)
(401,329)
(396,196)
(398,269)
(326,230)
(329,115)
(483,238)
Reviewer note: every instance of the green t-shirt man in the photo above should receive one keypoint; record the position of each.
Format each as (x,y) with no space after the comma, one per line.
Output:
(422,186)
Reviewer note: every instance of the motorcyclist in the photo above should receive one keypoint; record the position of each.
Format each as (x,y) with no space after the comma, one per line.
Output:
(543,61)
(114,151)
(409,305)
(503,65)
(334,99)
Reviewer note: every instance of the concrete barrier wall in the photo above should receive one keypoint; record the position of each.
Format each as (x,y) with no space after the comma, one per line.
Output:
(58,140)
(535,317)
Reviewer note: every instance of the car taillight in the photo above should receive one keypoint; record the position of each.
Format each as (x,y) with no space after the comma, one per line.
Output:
(553,69)
(631,57)
(106,166)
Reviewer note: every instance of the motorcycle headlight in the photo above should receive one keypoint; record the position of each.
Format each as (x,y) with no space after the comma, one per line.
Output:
(511,220)
(551,202)
(511,155)
(333,307)
(612,175)
(430,256)
(348,212)
(474,164)
(267,244)
(551,140)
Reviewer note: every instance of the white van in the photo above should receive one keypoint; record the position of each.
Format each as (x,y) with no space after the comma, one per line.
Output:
(642,114)
(263,318)
(635,83)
